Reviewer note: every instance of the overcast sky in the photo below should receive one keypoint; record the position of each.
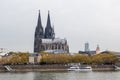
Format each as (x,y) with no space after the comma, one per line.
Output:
(79,21)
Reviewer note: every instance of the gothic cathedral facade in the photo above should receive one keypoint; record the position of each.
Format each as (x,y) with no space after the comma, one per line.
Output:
(44,40)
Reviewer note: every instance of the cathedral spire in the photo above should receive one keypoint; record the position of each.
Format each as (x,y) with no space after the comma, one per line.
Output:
(48,20)
(39,29)
(48,30)
(39,34)
(39,23)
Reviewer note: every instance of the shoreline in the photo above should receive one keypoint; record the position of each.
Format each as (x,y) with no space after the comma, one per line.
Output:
(37,68)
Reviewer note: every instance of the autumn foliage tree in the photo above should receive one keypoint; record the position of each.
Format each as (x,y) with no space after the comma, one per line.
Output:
(55,59)
(104,59)
(82,59)
(15,58)
(78,58)
(23,58)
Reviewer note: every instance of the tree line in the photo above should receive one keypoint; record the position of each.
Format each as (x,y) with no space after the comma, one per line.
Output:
(78,58)
(15,58)
(23,58)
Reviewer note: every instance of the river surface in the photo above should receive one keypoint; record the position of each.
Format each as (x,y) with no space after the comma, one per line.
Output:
(72,75)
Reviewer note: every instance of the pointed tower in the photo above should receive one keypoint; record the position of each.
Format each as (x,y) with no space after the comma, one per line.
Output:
(49,29)
(39,33)
(39,29)
(97,49)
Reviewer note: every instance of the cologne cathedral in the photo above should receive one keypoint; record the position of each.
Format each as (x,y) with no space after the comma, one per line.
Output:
(44,39)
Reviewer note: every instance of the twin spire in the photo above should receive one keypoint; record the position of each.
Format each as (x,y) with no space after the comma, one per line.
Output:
(48,20)
(39,19)
(49,31)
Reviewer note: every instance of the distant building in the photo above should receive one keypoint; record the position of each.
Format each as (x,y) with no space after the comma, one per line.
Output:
(113,52)
(90,52)
(34,58)
(46,41)
(97,49)
(3,52)
(87,47)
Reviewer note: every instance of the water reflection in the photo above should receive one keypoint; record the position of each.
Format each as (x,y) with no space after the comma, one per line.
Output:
(60,75)
(44,76)
(16,76)
(109,75)
(76,76)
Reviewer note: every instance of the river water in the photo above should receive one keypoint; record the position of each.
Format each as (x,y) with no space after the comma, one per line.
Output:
(72,75)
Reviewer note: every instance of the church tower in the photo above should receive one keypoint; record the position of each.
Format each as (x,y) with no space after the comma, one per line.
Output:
(49,32)
(97,49)
(87,47)
(44,39)
(39,34)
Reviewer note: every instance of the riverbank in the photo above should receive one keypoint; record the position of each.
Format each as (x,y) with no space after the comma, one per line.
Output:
(103,67)
(35,67)
(27,68)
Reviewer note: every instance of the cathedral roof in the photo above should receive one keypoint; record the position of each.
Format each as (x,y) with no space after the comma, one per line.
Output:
(56,51)
(56,40)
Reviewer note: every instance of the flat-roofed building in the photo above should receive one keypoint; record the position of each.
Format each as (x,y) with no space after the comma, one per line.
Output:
(34,58)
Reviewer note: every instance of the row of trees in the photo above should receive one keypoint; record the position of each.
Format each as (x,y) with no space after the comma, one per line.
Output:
(23,58)
(15,58)
(82,59)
